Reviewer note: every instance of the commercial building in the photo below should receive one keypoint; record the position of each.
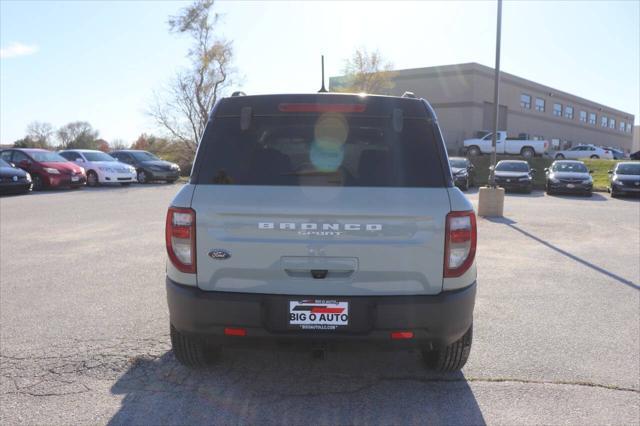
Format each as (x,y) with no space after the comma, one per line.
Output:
(462,96)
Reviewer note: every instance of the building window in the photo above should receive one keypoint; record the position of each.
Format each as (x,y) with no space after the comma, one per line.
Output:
(622,126)
(568,112)
(592,118)
(603,121)
(583,116)
(525,101)
(612,123)
(628,127)
(539,104)
(557,110)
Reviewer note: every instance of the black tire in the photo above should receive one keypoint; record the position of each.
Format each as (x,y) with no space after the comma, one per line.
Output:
(527,152)
(614,194)
(548,190)
(594,157)
(452,357)
(191,352)
(474,151)
(142,176)
(559,157)
(92,179)
(465,187)
(37,184)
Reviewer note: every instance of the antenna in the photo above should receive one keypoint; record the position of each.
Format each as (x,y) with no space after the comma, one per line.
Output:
(322,89)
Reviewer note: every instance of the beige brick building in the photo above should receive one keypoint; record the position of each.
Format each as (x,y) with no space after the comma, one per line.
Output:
(462,96)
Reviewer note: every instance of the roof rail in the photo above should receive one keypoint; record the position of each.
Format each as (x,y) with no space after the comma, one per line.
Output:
(409,95)
(238,93)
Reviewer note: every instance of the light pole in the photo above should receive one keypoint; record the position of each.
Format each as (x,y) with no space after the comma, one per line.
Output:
(491,198)
(496,85)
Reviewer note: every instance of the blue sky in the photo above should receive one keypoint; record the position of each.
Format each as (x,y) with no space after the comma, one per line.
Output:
(101,61)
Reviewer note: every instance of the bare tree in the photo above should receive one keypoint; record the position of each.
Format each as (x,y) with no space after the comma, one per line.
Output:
(78,134)
(118,144)
(366,72)
(182,109)
(40,132)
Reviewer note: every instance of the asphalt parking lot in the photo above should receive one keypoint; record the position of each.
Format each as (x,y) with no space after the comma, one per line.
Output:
(84,326)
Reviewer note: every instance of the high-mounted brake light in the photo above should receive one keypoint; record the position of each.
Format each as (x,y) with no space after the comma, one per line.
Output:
(401,335)
(322,107)
(180,234)
(460,243)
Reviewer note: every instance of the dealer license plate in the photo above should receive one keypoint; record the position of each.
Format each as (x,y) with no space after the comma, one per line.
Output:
(318,314)
(570,185)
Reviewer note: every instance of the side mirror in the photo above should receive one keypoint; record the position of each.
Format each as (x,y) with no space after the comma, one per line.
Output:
(590,172)
(491,168)
(13,165)
(546,170)
(471,167)
(79,160)
(534,171)
(610,172)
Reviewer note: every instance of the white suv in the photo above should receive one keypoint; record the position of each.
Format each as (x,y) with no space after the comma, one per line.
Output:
(101,167)
(323,218)
(584,151)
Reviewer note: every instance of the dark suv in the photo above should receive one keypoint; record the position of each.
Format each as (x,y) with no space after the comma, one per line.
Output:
(148,166)
(322,218)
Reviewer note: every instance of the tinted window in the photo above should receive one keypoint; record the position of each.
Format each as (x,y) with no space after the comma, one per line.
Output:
(20,156)
(512,167)
(322,150)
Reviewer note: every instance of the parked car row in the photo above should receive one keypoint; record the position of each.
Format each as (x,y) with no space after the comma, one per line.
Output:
(588,151)
(562,176)
(24,169)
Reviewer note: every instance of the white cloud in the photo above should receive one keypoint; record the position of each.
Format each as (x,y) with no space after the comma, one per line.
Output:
(17,49)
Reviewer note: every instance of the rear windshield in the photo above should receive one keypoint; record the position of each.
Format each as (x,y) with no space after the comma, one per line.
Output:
(320,150)
(512,167)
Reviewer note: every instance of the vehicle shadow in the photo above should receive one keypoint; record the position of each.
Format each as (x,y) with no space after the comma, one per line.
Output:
(285,387)
(512,224)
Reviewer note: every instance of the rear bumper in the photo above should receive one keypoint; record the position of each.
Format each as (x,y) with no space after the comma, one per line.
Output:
(435,320)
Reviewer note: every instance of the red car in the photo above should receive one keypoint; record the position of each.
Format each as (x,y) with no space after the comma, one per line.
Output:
(47,169)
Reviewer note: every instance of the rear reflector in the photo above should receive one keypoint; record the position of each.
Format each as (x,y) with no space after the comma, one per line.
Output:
(235,331)
(322,107)
(399,335)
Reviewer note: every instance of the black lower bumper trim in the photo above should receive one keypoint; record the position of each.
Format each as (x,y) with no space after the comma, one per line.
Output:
(436,320)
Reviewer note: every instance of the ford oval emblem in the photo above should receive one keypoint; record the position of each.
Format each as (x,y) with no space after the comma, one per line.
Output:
(219,254)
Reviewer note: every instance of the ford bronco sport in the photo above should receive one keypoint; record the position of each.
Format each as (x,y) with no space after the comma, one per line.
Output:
(322,218)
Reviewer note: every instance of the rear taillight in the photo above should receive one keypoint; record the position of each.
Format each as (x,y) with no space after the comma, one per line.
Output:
(180,233)
(459,243)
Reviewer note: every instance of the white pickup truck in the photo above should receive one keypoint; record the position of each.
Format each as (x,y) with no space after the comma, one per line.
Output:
(526,148)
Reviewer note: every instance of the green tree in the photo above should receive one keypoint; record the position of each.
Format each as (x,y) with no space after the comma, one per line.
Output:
(366,72)
(182,109)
